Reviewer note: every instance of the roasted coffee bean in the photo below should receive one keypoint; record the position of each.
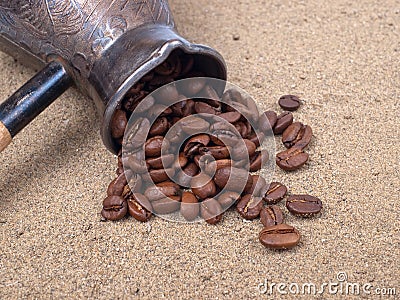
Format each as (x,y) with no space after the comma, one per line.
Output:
(158,81)
(136,134)
(131,102)
(289,102)
(303,205)
(224,134)
(232,95)
(245,111)
(275,193)
(135,183)
(218,152)
(267,121)
(166,205)
(244,128)
(204,108)
(283,122)
(190,206)
(271,216)
(280,236)
(231,117)
(116,187)
(211,211)
(203,186)
(139,207)
(167,95)
(194,125)
(210,96)
(118,123)
(257,138)
(258,188)
(206,163)
(114,208)
(168,66)
(181,161)
(193,86)
(227,199)
(249,207)
(162,190)
(215,165)
(155,145)
(258,160)
(158,110)
(243,150)
(135,162)
(160,162)
(233,179)
(291,159)
(195,143)
(159,127)
(176,135)
(185,176)
(297,135)
(160,175)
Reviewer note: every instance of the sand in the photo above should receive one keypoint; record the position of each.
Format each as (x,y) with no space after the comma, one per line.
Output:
(341,57)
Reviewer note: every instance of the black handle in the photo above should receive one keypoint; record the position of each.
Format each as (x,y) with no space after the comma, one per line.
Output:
(33,97)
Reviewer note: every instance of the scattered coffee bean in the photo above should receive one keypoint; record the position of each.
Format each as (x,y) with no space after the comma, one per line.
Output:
(227,199)
(259,186)
(211,211)
(233,179)
(275,193)
(291,159)
(249,206)
(139,207)
(271,216)
(303,205)
(280,236)
(118,124)
(114,208)
(283,122)
(116,187)
(190,207)
(267,121)
(166,205)
(289,102)
(297,135)
(203,186)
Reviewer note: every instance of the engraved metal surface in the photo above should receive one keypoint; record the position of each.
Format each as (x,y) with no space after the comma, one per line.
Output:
(76,28)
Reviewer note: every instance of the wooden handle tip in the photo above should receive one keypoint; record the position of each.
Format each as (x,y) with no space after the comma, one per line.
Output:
(5,137)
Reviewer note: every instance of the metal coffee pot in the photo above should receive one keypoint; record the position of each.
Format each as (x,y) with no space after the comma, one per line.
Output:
(102,46)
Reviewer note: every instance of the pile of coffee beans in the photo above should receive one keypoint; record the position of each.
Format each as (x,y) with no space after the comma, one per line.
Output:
(190,151)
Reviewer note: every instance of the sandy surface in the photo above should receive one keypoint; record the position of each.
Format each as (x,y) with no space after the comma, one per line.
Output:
(341,57)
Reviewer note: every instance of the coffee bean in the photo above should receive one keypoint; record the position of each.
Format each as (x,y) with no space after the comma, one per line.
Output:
(139,207)
(135,162)
(239,179)
(160,175)
(181,161)
(116,187)
(291,159)
(114,208)
(244,128)
(211,211)
(271,216)
(118,123)
(195,143)
(168,66)
(258,188)
(166,205)
(224,134)
(275,193)
(283,122)
(227,199)
(258,160)
(218,152)
(257,138)
(162,190)
(244,150)
(160,162)
(297,135)
(159,127)
(194,125)
(203,186)
(267,121)
(232,95)
(135,183)
(280,236)
(158,81)
(249,207)
(167,95)
(193,86)
(136,134)
(155,145)
(215,165)
(231,117)
(289,102)
(131,102)
(190,206)
(303,205)
(159,110)
(204,108)
(185,176)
